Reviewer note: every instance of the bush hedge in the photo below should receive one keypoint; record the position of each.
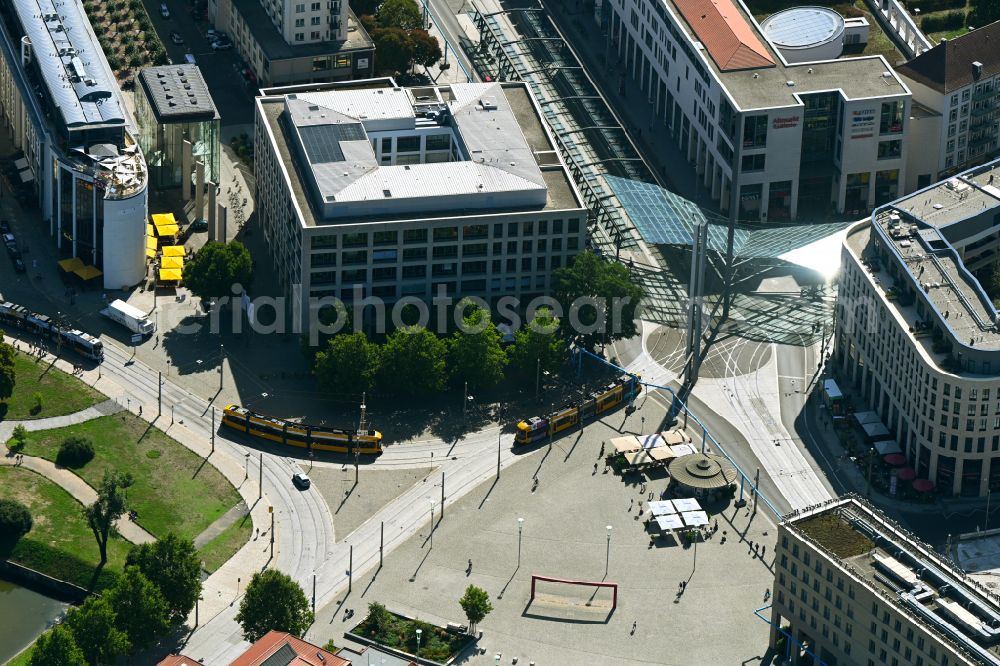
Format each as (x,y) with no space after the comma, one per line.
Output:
(928,6)
(75,452)
(15,520)
(942,22)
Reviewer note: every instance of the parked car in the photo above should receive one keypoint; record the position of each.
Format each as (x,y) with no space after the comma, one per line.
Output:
(176,38)
(301,481)
(13,251)
(164,10)
(4,227)
(8,239)
(221,46)
(199,225)
(19,266)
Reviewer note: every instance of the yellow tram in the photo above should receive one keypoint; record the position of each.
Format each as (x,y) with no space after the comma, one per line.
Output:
(301,435)
(623,390)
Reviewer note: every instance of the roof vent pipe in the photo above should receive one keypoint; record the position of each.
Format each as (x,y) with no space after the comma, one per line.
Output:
(977,69)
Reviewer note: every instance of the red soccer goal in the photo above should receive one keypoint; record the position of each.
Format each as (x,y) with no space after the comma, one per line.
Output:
(597,585)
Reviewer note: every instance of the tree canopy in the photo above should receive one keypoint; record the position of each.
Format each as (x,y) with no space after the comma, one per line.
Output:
(607,295)
(413,362)
(538,345)
(476,604)
(474,354)
(7,378)
(349,364)
(141,611)
(273,601)
(56,647)
(404,14)
(109,507)
(172,564)
(216,267)
(94,629)
(15,520)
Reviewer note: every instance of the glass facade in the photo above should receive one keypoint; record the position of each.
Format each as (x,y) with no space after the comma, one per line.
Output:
(163,144)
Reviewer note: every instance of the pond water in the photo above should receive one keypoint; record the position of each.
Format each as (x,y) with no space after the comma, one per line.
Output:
(23,616)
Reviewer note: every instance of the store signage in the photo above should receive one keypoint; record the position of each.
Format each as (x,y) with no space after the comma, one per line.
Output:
(863,123)
(782,123)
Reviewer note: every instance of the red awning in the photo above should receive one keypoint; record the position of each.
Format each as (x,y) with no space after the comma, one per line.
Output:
(923,485)
(906,474)
(895,459)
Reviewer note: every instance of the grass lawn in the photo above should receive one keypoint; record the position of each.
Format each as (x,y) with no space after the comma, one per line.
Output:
(836,534)
(23,658)
(61,393)
(60,543)
(174,490)
(215,553)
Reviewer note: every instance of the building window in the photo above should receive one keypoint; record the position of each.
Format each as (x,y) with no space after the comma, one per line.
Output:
(408,144)
(299,9)
(891,120)
(299,37)
(755,131)
(753,162)
(315,6)
(300,23)
(314,20)
(888,150)
(314,35)
(445,234)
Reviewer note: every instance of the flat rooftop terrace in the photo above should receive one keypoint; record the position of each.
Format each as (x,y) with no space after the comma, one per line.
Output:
(560,193)
(907,573)
(956,199)
(767,87)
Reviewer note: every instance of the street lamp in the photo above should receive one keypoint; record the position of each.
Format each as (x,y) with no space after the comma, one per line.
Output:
(419,631)
(432,523)
(607,557)
(499,435)
(520,524)
(246,465)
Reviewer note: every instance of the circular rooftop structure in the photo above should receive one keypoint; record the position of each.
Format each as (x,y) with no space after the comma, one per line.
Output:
(805,34)
(701,472)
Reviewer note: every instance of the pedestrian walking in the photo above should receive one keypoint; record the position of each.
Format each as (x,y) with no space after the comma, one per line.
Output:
(140,410)
(634,624)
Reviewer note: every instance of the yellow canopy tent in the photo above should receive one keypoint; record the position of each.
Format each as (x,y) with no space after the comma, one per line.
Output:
(151,242)
(174,251)
(170,274)
(88,272)
(167,230)
(150,252)
(160,219)
(149,230)
(172,262)
(71,265)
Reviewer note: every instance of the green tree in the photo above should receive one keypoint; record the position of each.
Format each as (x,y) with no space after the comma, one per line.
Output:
(984,12)
(140,608)
(600,283)
(424,49)
(380,619)
(56,647)
(413,362)
(348,365)
(20,438)
(94,630)
(216,267)
(75,452)
(7,378)
(273,601)
(365,7)
(474,354)
(476,604)
(171,564)
(109,507)
(15,520)
(403,14)
(538,346)
(393,46)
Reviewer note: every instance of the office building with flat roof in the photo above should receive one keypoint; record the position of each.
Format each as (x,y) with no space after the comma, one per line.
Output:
(918,336)
(405,191)
(63,109)
(174,105)
(287,42)
(853,587)
(956,106)
(769,139)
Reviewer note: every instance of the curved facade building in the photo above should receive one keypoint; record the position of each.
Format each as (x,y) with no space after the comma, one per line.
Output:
(917,334)
(62,108)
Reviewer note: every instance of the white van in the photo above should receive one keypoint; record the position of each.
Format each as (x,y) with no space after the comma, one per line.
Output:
(130,317)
